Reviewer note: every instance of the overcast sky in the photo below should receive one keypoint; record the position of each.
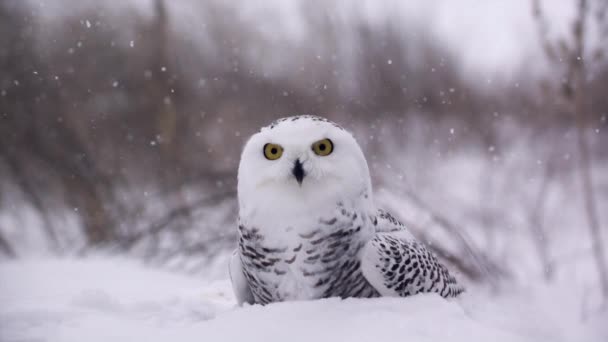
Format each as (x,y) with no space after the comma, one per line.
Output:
(489,35)
(492,34)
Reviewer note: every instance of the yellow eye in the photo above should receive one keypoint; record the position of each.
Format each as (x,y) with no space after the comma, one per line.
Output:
(273,151)
(323,147)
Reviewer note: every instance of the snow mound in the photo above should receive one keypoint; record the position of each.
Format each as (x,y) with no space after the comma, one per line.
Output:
(420,318)
(107,299)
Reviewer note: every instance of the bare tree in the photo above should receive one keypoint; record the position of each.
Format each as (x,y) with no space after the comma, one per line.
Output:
(91,124)
(572,56)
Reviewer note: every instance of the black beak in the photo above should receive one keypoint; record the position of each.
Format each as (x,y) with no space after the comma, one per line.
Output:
(298,171)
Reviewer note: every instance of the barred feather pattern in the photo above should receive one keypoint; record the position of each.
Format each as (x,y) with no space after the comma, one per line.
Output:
(338,259)
(325,260)
(408,268)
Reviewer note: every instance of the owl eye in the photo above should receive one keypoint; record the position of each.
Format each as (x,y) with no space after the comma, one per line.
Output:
(273,151)
(323,147)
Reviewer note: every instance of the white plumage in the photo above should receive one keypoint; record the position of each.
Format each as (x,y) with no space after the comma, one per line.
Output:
(308,227)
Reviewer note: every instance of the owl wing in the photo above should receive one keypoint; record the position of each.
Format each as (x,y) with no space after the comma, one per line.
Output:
(396,264)
(240,286)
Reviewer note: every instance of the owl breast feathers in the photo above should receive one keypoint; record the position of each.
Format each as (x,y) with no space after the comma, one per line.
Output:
(308,227)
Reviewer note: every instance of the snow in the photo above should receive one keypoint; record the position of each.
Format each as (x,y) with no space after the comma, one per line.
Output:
(115,299)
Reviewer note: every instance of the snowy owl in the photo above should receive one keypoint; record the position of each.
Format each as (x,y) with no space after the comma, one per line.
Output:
(308,227)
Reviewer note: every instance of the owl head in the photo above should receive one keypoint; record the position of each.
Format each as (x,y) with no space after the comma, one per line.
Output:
(301,163)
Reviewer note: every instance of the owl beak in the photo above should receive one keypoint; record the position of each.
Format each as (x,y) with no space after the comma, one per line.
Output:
(298,171)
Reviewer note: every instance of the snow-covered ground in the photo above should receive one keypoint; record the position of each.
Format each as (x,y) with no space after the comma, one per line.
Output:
(115,299)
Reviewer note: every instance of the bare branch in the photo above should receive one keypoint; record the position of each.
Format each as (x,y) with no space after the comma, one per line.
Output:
(543,31)
(581,112)
(176,213)
(539,236)
(18,173)
(6,248)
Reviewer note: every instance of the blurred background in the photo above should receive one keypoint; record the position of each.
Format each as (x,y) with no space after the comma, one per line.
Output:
(484,124)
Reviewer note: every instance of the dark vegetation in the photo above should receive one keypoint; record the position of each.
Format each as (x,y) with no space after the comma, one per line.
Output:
(131,126)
